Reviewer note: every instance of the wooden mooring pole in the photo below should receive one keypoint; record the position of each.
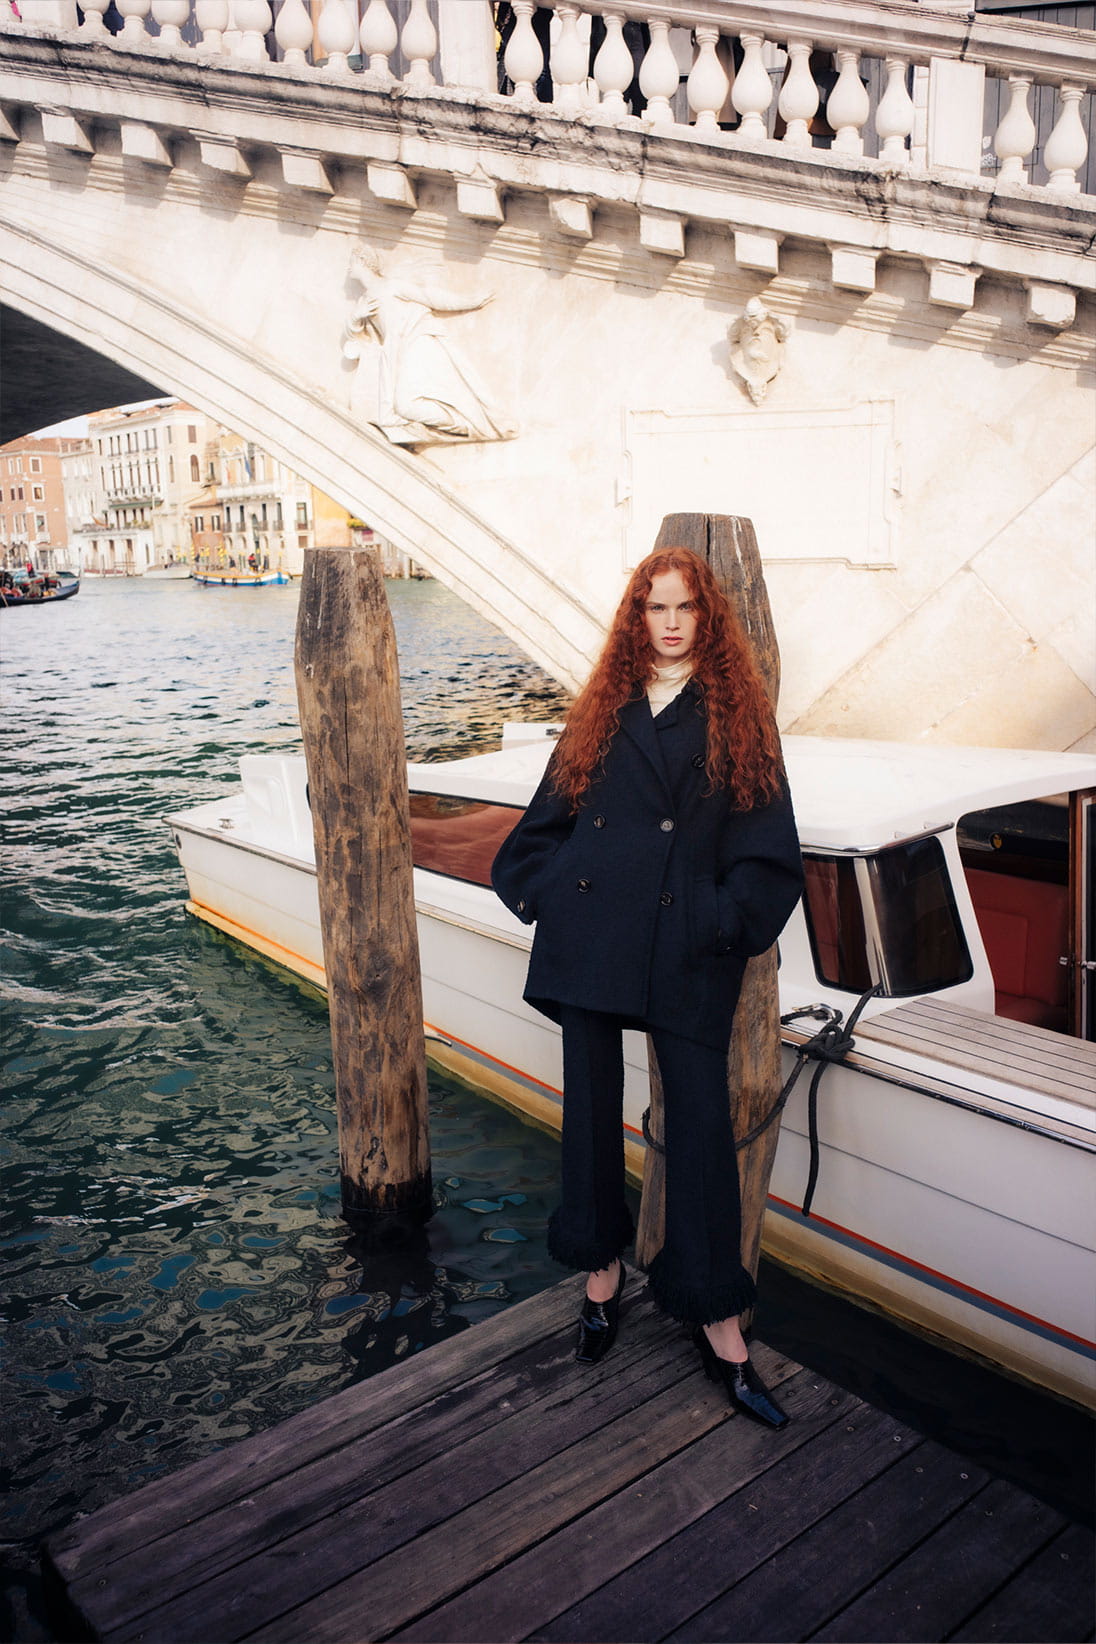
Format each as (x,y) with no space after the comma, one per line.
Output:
(729,544)
(351,719)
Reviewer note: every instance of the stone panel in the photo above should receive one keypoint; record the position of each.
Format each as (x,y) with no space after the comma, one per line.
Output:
(959,669)
(1042,565)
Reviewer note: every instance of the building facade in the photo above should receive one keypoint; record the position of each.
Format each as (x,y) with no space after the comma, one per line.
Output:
(33,523)
(147,469)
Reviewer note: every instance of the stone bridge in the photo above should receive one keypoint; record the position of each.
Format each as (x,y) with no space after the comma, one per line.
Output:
(824,262)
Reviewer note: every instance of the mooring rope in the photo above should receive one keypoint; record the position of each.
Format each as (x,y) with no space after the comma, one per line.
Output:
(830,1044)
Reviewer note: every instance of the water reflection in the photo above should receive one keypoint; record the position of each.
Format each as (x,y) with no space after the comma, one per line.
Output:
(176,1271)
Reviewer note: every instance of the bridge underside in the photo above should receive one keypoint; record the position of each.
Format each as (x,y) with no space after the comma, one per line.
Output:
(48,377)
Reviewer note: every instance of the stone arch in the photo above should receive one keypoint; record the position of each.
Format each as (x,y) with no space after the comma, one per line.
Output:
(157,340)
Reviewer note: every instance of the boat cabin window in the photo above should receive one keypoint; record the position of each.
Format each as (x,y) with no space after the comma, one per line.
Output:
(888,917)
(1016,860)
(459,837)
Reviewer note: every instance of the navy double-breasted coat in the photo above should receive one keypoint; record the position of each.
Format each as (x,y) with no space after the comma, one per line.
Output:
(649,899)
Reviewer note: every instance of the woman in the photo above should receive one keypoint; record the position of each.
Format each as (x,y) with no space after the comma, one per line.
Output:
(657,855)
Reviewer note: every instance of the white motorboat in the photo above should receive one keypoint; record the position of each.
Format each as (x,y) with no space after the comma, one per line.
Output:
(168,570)
(956,1138)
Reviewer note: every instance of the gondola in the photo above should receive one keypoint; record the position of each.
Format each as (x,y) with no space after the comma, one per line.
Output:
(44,588)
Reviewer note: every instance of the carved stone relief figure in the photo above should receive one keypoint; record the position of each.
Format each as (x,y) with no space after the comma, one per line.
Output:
(757,348)
(426,394)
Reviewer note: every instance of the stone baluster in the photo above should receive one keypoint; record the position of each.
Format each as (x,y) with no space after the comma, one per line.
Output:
(293,32)
(847,107)
(798,100)
(707,85)
(378,37)
(613,69)
(1014,138)
(752,91)
(570,57)
(170,15)
(93,26)
(211,17)
(419,41)
(895,115)
(253,19)
(658,76)
(134,13)
(524,60)
(1067,146)
(336,34)
(233,34)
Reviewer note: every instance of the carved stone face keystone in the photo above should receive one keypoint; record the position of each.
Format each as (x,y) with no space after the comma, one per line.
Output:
(757,341)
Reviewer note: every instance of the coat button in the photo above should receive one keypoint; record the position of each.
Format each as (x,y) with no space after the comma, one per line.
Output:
(667,899)
(584,884)
(666,825)
(699,762)
(599,821)
(521,905)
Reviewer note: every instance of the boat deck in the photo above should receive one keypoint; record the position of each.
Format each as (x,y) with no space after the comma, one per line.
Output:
(1053,1064)
(490,1489)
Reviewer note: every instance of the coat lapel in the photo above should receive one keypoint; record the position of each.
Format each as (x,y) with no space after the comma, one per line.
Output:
(637,721)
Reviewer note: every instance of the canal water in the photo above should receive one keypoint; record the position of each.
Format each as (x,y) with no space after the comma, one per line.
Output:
(175,1271)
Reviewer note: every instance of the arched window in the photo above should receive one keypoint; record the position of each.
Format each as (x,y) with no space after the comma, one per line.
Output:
(195,470)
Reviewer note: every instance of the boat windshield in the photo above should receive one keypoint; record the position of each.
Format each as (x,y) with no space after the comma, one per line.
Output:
(888,916)
(458,837)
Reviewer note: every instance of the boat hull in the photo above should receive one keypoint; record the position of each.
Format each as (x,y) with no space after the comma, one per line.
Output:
(241,579)
(966,1224)
(68,587)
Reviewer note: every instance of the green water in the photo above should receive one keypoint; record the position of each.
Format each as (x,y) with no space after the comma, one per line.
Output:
(176,1271)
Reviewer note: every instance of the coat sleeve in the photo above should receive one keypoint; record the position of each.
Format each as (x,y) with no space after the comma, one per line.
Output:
(761,878)
(528,849)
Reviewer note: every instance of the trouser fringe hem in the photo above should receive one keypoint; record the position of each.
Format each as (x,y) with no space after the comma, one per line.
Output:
(694,1304)
(584,1255)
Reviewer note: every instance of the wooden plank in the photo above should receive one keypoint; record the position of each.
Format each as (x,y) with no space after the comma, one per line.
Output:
(609,1451)
(279,1538)
(524,1497)
(1049,1600)
(1033,1044)
(1071,1078)
(296,1568)
(529,1594)
(692,1568)
(943,1581)
(166,1505)
(224,1535)
(798,1590)
(981,1036)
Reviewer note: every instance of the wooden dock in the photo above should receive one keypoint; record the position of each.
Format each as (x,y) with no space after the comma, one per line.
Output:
(491,1489)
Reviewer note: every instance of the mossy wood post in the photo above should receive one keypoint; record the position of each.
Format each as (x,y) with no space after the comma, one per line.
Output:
(352,723)
(729,545)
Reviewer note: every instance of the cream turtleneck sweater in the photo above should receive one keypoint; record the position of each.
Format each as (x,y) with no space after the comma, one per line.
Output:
(665,683)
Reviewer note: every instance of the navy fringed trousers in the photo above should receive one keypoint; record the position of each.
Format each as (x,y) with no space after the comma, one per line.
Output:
(698,1275)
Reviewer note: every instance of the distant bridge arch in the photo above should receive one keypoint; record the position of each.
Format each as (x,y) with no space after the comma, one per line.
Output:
(154,339)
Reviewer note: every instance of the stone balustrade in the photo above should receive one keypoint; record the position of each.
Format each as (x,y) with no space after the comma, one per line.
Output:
(887,84)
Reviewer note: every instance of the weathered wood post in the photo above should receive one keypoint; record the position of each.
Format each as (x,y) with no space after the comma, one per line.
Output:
(348,692)
(729,545)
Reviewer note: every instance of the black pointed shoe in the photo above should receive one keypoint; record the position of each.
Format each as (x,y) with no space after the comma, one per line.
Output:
(597,1326)
(743,1386)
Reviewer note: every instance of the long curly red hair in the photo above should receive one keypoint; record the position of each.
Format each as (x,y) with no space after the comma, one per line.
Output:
(743,752)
